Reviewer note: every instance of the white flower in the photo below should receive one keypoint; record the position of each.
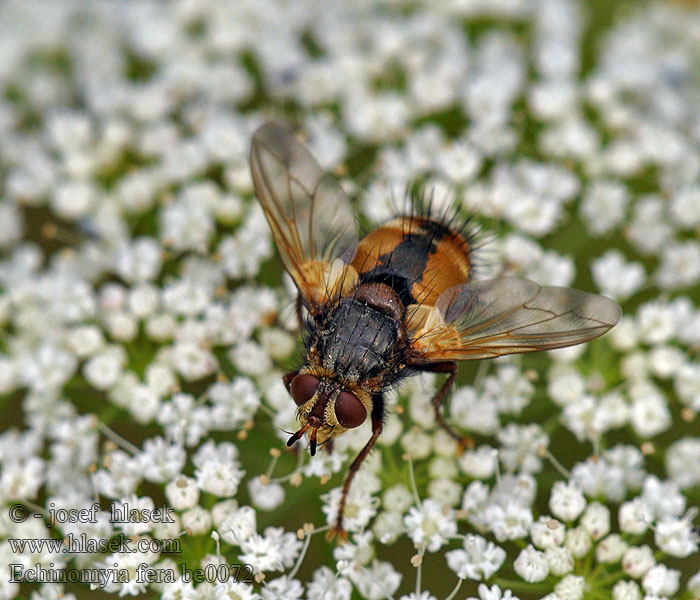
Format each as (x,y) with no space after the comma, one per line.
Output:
(140,259)
(377,581)
(479,560)
(196,520)
(277,343)
(680,265)
(143,300)
(676,536)
(237,526)
(121,476)
(283,588)
(626,590)
(418,596)
(615,277)
(508,521)
(560,560)
(105,367)
(23,478)
(231,590)
(268,495)
(566,501)
(681,462)
(531,565)
(547,532)
(637,561)
(416,443)
(523,253)
(387,527)
(566,385)
(663,497)
(685,207)
(649,413)
(472,412)
(610,549)
(187,224)
(445,491)
(234,403)
(272,552)
(509,388)
(474,503)
(217,469)
(327,585)
(360,505)
(128,561)
(649,228)
(193,361)
(431,524)
(629,460)
(480,463)
(596,520)
(584,418)
(571,587)
(521,488)
(397,499)
(578,541)
(85,340)
(553,269)
(161,461)
(352,555)
(687,385)
(222,510)
(184,421)
(11,218)
(460,161)
(493,593)
(694,584)
(74,199)
(635,516)
(661,581)
(250,358)
(182,492)
(143,506)
(603,205)
(596,476)
(656,323)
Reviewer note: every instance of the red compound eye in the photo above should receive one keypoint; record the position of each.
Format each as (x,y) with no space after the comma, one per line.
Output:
(303,387)
(349,411)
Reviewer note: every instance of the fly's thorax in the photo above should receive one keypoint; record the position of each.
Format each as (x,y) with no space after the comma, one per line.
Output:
(359,340)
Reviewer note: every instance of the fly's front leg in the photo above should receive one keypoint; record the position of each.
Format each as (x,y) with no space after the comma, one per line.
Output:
(441,397)
(377,424)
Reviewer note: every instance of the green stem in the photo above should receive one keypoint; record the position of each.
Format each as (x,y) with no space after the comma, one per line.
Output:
(453,593)
(523,586)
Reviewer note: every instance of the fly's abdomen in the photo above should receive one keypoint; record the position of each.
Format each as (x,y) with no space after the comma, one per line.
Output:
(357,341)
(418,257)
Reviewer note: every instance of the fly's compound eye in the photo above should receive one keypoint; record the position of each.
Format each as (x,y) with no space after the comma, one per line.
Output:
(303,387)
(349,411)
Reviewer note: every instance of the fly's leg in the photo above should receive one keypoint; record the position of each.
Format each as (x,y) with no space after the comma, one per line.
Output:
(377,424)
(441,397)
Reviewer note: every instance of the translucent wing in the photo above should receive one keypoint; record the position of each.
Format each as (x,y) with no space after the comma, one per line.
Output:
(505,316)
(309,214)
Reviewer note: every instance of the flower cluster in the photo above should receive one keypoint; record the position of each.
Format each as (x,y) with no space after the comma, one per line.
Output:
(145,325)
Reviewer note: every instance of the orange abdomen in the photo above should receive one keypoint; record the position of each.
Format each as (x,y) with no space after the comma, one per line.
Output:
(418,257)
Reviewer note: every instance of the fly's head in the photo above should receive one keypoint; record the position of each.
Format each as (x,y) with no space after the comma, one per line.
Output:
(327,407)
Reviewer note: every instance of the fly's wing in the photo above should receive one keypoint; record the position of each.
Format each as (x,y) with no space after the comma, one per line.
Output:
(309,214)
(506,316)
